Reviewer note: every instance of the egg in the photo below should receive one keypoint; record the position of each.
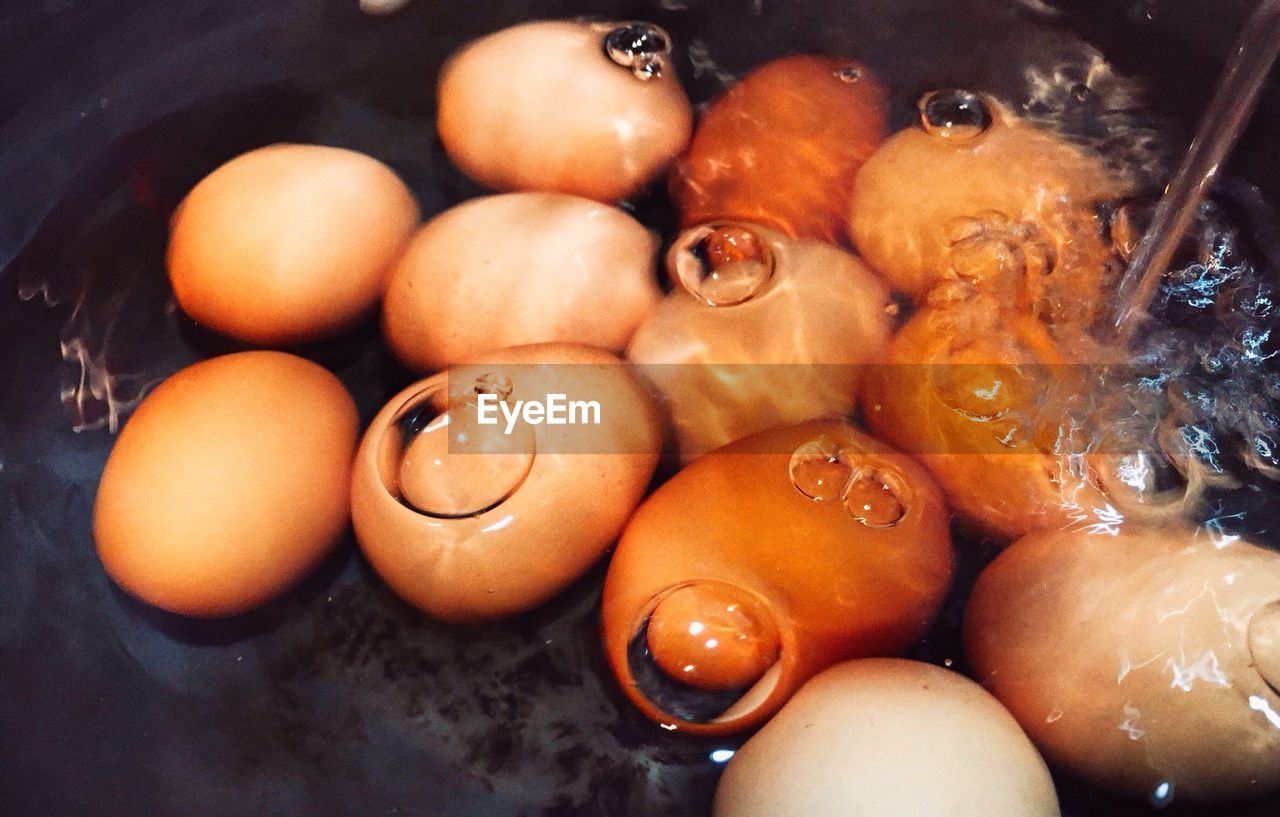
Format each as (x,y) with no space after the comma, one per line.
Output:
(932,198)
(288,244)
(889,738)
(467,520)
(588,108)
(228,484)
(517,269)
(1144,660)
(782,147)
(760,331)
(764,562)
(985,408)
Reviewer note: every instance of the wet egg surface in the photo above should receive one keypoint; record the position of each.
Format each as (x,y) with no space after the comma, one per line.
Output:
(764,562)
(339,684)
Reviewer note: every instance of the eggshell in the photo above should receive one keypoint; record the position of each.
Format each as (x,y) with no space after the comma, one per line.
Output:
(555,521)
(782,147)
(541,106)
(794,351)
(889,738)
(288,244)
(922,196)
(983,406)
(733,548)
(517,269)
(228,483)
(1137,659)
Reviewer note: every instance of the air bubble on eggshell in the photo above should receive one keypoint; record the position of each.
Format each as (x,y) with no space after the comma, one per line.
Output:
(447,465)
(735,529)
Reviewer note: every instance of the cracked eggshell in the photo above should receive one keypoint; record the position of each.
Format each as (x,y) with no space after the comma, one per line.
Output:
(1137,660)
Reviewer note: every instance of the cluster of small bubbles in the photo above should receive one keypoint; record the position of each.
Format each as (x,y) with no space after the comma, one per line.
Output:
(954,114)
(873,496)
(641,47)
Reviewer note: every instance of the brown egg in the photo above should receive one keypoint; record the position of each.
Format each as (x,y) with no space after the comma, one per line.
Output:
(973,174)
(228,484)
(984,406)
(889,738)
(588,108)
(517,269)
(466,520)
(288,244)
(763,563)
(761,331)
(1147,661)
(782,147)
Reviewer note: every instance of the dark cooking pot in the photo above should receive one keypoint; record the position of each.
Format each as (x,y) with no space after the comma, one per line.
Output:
(339,699)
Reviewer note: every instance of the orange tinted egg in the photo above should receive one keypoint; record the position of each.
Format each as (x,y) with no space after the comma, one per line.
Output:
(766,561)
(588,108)
(229,483)
(288,244)
(782,148)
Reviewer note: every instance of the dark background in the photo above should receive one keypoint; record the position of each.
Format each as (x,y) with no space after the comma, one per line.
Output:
(338,699)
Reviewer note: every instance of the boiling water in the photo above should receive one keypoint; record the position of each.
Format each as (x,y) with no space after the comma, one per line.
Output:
(519,718)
